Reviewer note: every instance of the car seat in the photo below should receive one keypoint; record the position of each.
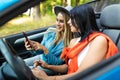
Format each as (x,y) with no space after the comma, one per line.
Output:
(110,20)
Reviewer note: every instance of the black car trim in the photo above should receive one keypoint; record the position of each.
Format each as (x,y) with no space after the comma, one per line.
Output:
(17,10)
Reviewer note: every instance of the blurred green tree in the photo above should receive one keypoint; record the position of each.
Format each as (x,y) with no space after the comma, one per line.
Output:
(46,8)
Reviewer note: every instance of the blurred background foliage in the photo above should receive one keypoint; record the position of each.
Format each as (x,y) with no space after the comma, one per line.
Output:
(39,16)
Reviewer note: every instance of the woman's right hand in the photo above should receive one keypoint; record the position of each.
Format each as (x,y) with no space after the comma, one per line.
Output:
(28,45)
(33,45)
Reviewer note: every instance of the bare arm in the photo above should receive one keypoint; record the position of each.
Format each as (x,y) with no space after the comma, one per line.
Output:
(95,54)
(56,68)
(41,75)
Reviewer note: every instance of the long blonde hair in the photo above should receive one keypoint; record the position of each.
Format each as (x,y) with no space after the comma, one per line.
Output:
(67,34)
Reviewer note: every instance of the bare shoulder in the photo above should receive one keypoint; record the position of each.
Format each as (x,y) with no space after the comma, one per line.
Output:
(99,40)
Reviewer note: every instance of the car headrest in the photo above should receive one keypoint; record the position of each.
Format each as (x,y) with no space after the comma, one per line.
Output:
(110,16)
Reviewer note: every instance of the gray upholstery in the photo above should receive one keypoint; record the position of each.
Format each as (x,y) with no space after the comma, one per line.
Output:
(110,16)
(110,19)
(113,34)
(118,45)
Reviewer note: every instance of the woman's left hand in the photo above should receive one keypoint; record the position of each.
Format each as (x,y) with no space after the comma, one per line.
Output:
(41,75)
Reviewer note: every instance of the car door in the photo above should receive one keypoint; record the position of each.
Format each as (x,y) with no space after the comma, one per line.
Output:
(10,9)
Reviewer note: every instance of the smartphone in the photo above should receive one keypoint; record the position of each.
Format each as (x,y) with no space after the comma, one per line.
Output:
(25,35)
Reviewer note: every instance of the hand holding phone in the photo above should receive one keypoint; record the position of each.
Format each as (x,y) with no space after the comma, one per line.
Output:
(25,35)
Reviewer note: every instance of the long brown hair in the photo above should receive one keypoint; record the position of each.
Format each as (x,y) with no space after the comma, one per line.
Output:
(67,34)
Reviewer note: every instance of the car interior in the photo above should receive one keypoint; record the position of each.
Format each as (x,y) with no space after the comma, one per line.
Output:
(108,22)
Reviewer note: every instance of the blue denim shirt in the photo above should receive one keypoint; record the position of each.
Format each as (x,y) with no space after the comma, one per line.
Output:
(53,57)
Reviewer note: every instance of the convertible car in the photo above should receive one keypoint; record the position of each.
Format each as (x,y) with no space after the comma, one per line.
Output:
(12,50)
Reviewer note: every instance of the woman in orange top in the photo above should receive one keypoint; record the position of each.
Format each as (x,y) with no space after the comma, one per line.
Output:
(88,48)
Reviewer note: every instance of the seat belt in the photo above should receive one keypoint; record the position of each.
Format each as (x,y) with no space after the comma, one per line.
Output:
(117,39)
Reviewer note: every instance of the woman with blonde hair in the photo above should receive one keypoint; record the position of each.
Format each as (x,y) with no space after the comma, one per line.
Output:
(54,40)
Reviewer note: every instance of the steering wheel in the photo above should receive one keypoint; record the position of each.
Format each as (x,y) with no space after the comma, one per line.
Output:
(22,71)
